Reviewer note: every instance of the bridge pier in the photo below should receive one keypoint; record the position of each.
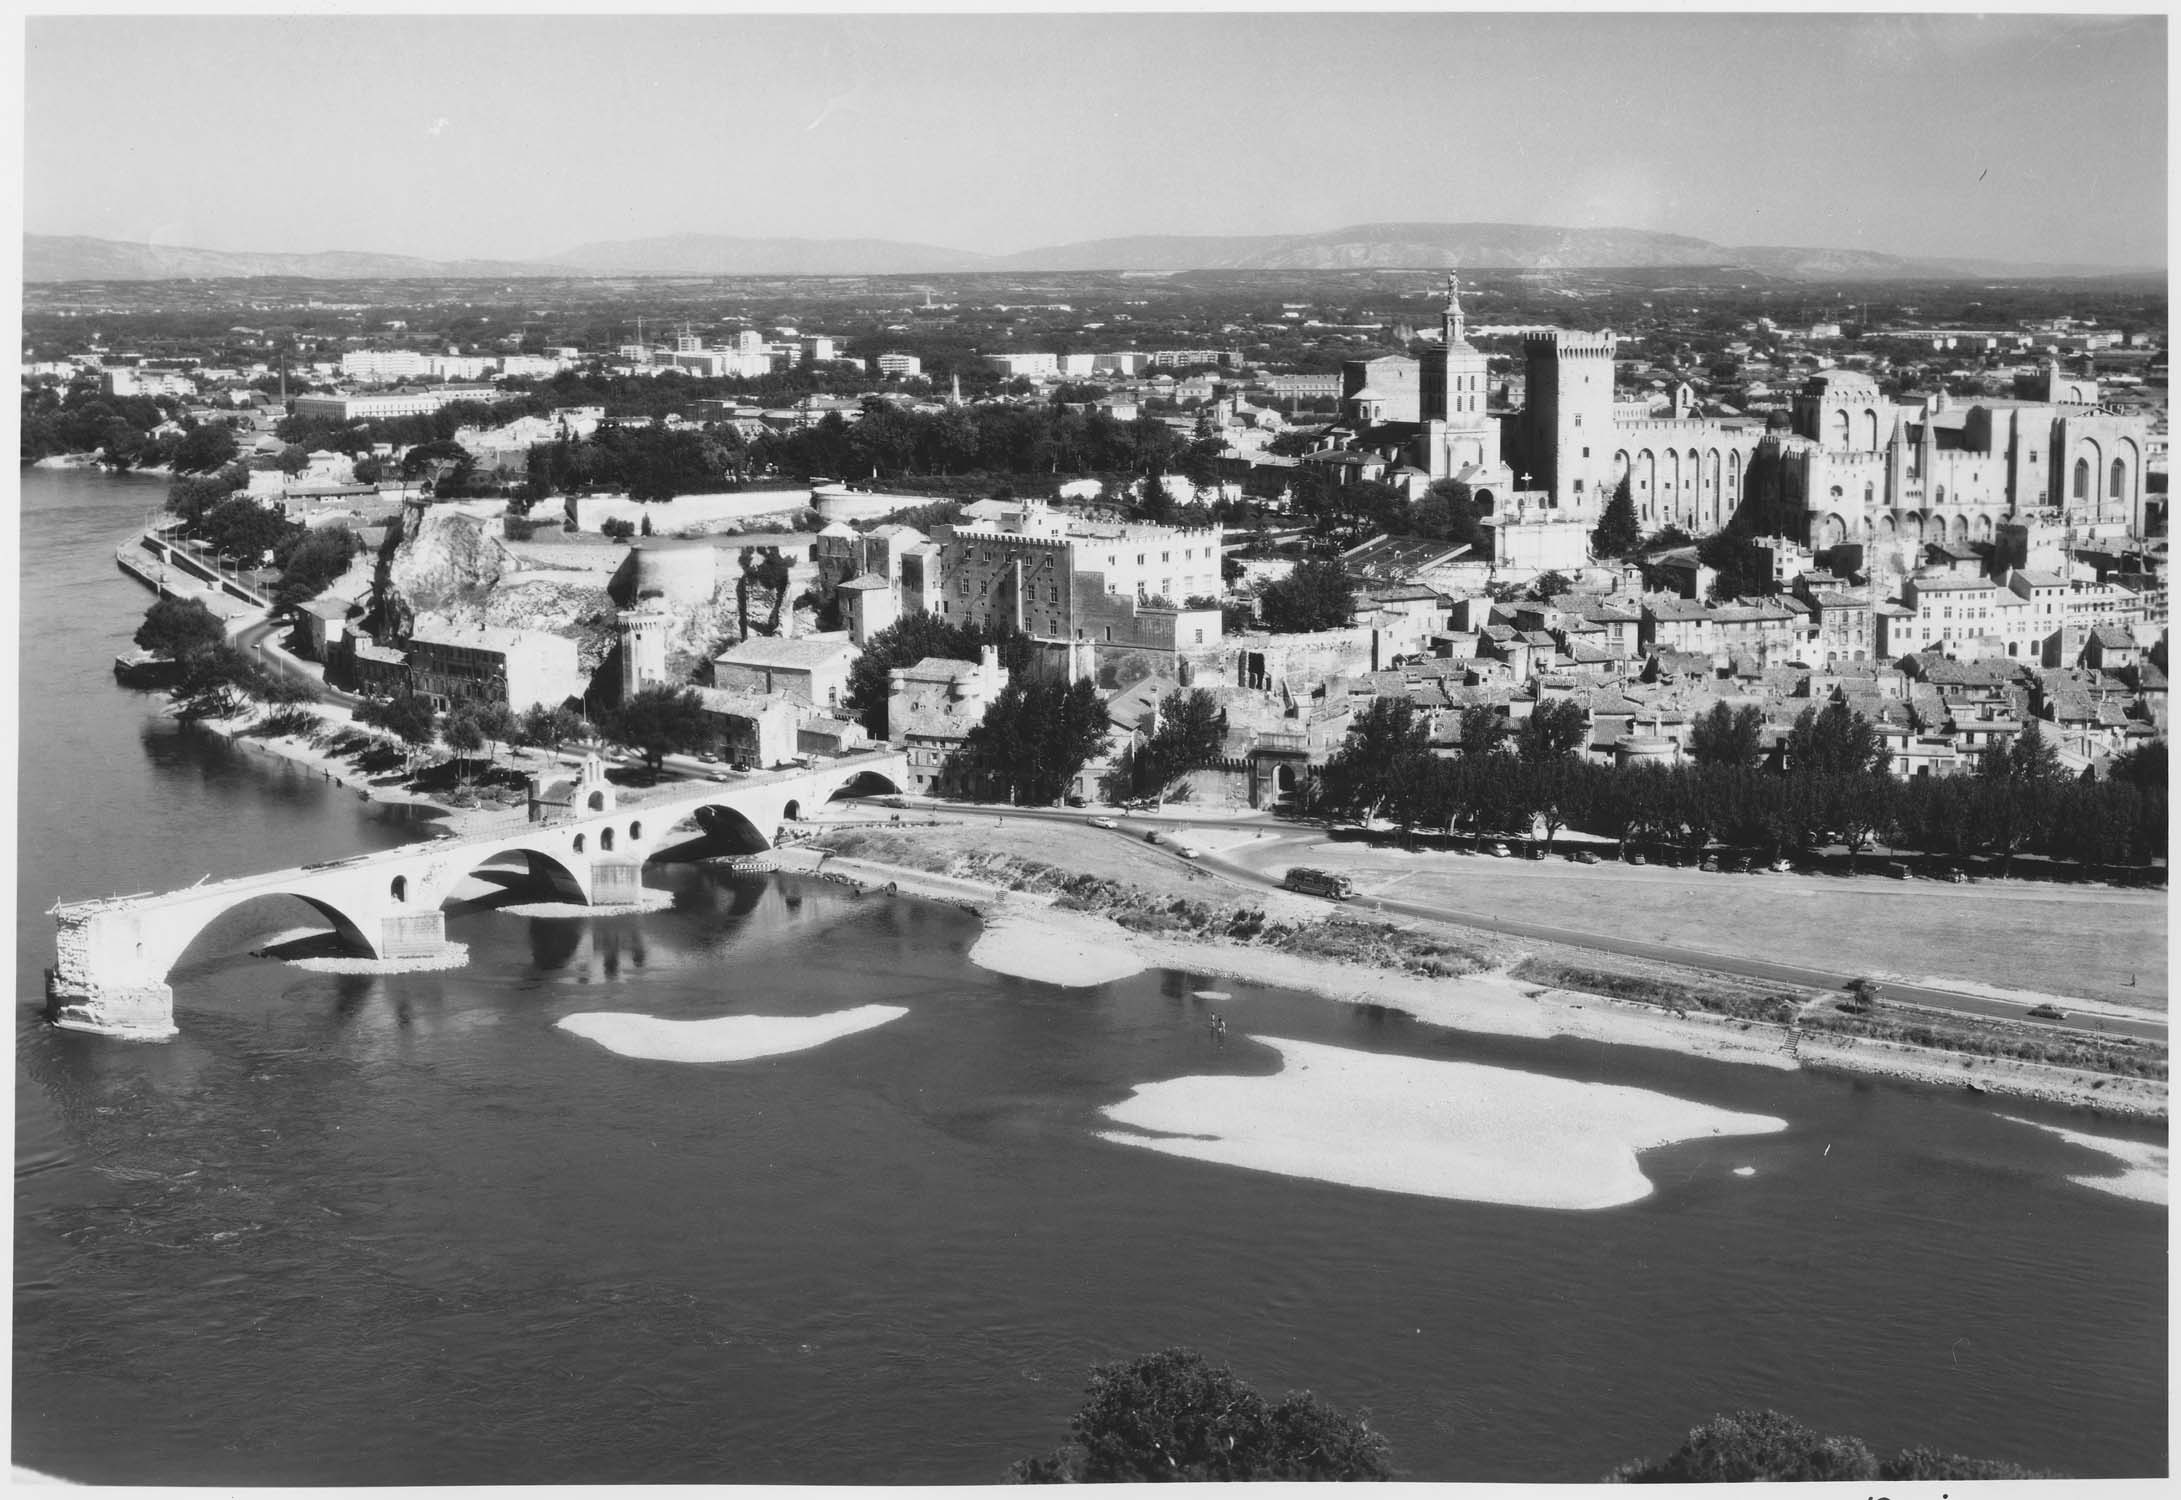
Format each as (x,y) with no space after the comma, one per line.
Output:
(616,882)
(412,934)
(133,1012)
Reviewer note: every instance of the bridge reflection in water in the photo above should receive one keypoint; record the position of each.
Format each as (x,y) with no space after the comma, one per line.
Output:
(588,846)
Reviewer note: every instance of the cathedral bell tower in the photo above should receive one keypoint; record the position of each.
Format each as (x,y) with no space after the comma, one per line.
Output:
(1459,433)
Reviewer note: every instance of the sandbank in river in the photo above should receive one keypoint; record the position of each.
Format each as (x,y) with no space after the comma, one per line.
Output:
(1416,1125)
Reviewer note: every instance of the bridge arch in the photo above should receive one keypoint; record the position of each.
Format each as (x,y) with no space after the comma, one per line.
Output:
(865,784)
(159,954)
(731,826)
(542,865)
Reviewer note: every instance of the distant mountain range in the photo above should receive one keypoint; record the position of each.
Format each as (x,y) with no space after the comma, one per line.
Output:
(1533,247)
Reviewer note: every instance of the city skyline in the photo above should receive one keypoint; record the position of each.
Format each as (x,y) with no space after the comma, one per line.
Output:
(2022,138)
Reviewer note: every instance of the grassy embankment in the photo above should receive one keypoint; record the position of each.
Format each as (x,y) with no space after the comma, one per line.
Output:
(1157,898)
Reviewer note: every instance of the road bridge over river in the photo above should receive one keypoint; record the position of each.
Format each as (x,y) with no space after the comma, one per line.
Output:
(584,839)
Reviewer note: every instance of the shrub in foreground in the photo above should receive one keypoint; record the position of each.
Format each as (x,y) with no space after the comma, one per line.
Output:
(1173,1416)
(1746,1446)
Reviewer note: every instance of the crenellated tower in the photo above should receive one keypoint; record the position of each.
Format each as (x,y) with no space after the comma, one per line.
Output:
(1567,418)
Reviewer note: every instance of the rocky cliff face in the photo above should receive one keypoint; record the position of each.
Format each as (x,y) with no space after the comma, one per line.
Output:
(446,557)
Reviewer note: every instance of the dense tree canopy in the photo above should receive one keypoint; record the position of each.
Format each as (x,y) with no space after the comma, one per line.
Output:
(1727,736)
(1173,1417)
(315,560)
(81,418)
(177,629)
(1191,734)
(1834,740)
(649,462)
(891,442)
(240,528)
(1745,1447)
(1478,730)
(409,717)
(1445,514)
(192,498)
(1555,729)
(204,448)
(548,726)
(660,720)
(2144,766)
(1617,533)
(1317,595)
(1383,762)
(220,680)
(908,641)
(1034,740)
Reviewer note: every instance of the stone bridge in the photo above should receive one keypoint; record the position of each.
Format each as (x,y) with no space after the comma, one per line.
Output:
(583,839)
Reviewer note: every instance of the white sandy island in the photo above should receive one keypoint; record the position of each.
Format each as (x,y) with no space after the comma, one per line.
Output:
(1055,947)
(1413,1125)
(723,1038)
(2144,1163)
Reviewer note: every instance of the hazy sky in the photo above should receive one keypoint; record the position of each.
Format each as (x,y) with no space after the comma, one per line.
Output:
(2016,137)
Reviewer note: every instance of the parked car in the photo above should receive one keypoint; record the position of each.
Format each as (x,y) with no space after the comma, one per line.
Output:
(1103,823)
(1709,867)
(1584,857)
(1497,851)
(708,757)
(2047,1013)
(1895,869)
(1635,858)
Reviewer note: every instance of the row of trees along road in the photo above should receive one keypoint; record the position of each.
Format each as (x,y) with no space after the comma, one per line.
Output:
(468,728)
(1830,786)
(237,527)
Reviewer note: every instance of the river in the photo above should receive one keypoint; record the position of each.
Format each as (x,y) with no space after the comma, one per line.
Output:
(374,1229)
